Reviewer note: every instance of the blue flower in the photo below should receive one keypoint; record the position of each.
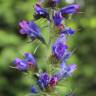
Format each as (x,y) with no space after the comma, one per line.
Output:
(40,12)
(29,59)
(20,64)
(43,80)
(33,89)
(70,9)
(31,30)
(25,63)
(67,31)
(66,56)
(59,48)
(57,18)
(67,70)
(62,38)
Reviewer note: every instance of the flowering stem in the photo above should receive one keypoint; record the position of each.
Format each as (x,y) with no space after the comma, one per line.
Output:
(37,48)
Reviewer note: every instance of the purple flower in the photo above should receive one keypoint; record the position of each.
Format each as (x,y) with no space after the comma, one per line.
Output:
(70,9)
(20,64)
(72,68)
(40,12)
(43,80)
(66,56)
(62,65)
(29,59)
(67,70)
(59,48)
(58,75)
(53,80)
(25,63)
(31,30)
(33,89)
(62,38)
(57,18)
(67,31)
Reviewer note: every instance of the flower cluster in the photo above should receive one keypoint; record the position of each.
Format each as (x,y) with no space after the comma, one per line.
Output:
(31,30)
(26,63)
(59,48)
